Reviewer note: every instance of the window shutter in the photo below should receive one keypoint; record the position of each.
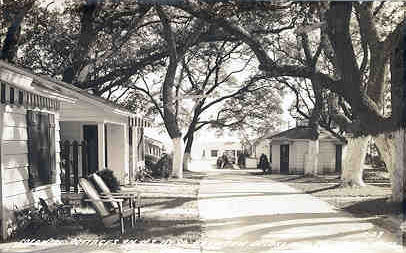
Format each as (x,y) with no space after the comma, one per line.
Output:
(41,148)
(45,165)
(34,147)
(52,149)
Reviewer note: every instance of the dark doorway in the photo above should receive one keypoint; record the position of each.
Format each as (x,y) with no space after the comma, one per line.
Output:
(91,137)
(339,152)
(284,159)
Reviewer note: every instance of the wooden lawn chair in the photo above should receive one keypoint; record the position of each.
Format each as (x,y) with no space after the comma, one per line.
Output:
(109,216)
(133,196)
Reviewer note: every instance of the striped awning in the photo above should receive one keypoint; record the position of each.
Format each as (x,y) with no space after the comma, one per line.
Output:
(12,95)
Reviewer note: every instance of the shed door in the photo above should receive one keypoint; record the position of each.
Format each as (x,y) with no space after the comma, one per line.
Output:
(284,159)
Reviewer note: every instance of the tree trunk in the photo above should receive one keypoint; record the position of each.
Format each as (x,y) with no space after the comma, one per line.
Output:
(169,111)
(398,92)
(353,161)
(386,147)
(187,157)
(177,170)
(398,176)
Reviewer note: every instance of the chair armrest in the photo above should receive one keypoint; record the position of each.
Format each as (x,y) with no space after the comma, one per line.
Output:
(105,200)
(120,194)
(127,193)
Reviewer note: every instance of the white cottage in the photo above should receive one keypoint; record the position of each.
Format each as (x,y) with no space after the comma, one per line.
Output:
(290,150)
(36,113)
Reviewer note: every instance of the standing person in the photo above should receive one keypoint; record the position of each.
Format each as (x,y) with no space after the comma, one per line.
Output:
(225,160)
(219,163)
(264,164)
(241,160)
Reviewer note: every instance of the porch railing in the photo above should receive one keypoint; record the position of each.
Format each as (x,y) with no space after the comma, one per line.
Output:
(74,165)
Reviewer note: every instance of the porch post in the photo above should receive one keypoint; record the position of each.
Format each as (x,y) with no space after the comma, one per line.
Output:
(101,145)
(126,154)
(2,182)
(133,153)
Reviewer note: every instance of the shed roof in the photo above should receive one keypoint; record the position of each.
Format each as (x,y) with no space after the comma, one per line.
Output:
(303,133)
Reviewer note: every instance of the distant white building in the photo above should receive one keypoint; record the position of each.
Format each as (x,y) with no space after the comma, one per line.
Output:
(211,150)
(262,146)
(154,148)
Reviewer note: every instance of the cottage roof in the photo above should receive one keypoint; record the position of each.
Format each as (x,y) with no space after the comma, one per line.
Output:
(67,91)
(302,133)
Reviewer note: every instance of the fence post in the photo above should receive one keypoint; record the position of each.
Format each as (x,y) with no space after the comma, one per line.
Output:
(85,171)
(75,166)
(66,157)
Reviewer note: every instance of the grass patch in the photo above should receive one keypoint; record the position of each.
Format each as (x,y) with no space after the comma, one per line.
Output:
(169,215)
(371,200)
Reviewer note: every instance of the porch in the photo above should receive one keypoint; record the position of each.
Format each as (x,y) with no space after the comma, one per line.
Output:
(96,135)
(99,145)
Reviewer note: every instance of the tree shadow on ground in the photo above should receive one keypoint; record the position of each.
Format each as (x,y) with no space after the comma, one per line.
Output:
(166,202)
(268,227)
(336,186)
(381,206)
(89,227)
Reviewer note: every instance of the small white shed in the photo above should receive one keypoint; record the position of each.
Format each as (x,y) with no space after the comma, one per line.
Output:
(290,150)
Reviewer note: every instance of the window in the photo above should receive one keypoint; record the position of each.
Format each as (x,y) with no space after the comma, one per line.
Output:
(3,93)
(11,95)
(20,97)
(214,153)
(41,148)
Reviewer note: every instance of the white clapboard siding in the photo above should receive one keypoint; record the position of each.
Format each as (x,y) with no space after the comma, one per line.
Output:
(14,147)
(50,194)
(14,109)
(300,150)
(327,157)
(276,157)
(15,161)
(15,174)
(14,119)
(14,133)
(15,188)
(17,202)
